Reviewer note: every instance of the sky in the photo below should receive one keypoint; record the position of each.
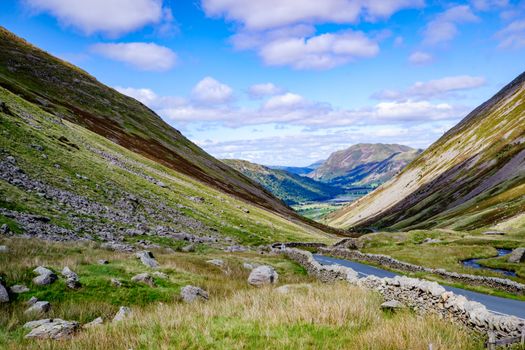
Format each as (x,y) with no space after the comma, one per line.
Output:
(287,82)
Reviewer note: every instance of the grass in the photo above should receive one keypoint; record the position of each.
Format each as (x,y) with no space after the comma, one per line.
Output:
(237,316)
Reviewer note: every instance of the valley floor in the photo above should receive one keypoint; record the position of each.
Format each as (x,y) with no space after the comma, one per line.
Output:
(309,315)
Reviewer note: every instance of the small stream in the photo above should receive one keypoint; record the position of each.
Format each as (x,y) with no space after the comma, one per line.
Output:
(474,263)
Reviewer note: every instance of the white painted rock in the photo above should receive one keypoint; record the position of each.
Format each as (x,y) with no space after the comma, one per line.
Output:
(263,275)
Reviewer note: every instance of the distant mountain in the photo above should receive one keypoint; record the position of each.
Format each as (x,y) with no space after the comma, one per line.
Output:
(298,170)
(472,177)
(364,164)
(289,187)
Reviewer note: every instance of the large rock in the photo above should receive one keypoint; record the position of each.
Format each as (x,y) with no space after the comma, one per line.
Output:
(517,255)
(96,322)
(72,280)
(191,293)
(68,273)
(263,275)
(144,278)
(123,312)
(392,305)
(216,262)
(4,249)
(4,295)
(51,329)
(147,258)
(19,288)
(45,276)
(40,307)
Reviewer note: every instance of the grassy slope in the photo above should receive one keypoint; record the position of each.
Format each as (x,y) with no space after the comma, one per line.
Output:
(26,124)
(237,316)
(474,176)
(291,188)
(66,91)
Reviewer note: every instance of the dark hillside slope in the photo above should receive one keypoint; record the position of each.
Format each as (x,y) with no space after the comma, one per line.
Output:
(472,177)
(70,93)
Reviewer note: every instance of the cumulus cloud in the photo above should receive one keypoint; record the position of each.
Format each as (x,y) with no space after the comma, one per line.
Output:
(267,14)
(263,90)
(438,88)
(144,56)
(211,91)
(420,58)
(283,32)
(112,17)
(146,96)
(319,52)
(513,35)
(444,27)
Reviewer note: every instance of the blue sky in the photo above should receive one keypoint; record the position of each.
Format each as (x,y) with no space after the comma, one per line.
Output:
(288,82)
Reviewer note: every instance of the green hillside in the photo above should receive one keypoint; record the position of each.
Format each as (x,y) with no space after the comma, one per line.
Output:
(472,177)
(291,188)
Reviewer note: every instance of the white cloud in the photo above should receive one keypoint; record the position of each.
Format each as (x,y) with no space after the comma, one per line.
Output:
(444,27)
(513,35)
(420,57)
(487,5)
(144,56)
(267,14)
(211,91)
(318,52)
(263,90)
(288,100)
(146,96)
(437,88)
(112,17)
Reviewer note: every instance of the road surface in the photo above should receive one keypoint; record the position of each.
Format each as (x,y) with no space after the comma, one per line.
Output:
(497,305)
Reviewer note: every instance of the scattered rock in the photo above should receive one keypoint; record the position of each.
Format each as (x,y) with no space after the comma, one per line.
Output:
(431,240)
(263,275)
(144,278)
(235,249)
(45,276)
(118,247)
(160,275)
(37,323)
(161,184)
(285,289)
(349,243)
(494,233)
(19,288)
(191,293)
(4,296)
(249,266)
(196,199)
(115,282)
(96,322)
(189,248)
(68,273)
(39,307)
(38,147)
(392,305)
(103,262)
(123,312)
(247,211)
(53,329)
(147,258)
(4,229)
(31,301)
(73,283)
(517,255)
(216,262)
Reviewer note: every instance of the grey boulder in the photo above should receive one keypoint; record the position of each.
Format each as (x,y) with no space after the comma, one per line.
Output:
(190,294)
(123,312)
(392,305)
(517,255)
(4,296)
(263,275)
(39,307)
(19,288)
(216,262)
(45,276)
(147,258)
(51,329)
(96,322)
(143,278)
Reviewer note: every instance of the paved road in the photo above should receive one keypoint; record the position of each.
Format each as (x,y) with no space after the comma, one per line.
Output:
(497,305)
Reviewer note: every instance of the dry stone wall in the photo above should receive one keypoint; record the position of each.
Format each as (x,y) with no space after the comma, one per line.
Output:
(422,296)
(385,260)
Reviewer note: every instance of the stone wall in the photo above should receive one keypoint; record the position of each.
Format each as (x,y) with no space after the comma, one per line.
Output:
(298,245)
(423,296)
(384,260)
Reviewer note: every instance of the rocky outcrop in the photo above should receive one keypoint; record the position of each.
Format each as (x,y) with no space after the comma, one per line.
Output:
(263,275)
(45,276)
(422,296)
(385,260)
(517,256)
(148,259)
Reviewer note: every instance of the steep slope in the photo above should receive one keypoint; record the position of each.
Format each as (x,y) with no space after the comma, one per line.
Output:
(64,90)
(364,164)
(472,177)
(291,188)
